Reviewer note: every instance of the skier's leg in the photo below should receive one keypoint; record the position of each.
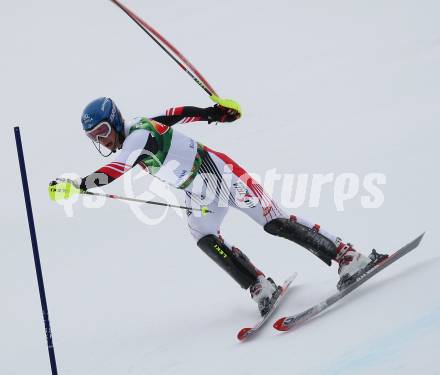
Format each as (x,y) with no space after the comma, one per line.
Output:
(206,231)
(324,245)
(248,196)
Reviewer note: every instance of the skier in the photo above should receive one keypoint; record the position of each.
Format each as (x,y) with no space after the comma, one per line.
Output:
(197,169)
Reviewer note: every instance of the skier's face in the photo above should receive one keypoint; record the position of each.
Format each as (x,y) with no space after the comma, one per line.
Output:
(111,141)
(106,136)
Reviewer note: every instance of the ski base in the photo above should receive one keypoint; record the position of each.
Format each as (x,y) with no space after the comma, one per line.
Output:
(287,323)
(250,331)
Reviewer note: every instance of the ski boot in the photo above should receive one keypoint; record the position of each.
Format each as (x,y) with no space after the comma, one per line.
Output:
(263,292)
(353,264)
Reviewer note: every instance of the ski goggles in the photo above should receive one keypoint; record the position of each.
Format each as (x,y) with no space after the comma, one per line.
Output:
(102,130)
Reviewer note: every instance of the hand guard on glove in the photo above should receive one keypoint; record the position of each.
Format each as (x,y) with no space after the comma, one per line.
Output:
(226,110)
(218,113)
(63,188)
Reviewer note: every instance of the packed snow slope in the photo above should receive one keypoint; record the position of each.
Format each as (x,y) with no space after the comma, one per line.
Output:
(326,87)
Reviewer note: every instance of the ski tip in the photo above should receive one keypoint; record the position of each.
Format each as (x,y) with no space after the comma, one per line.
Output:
(416,242)
(243,333)
(291,278)
(279,325)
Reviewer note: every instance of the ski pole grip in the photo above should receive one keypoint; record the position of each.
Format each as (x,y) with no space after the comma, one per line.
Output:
(227,103)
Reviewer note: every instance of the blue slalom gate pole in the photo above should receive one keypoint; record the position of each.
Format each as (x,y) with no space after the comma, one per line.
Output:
(30,217)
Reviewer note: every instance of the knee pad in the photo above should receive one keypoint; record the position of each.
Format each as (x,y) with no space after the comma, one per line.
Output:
(236,264)
(307,237)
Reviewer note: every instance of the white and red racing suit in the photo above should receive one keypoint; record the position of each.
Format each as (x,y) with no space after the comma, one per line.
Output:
(209,178)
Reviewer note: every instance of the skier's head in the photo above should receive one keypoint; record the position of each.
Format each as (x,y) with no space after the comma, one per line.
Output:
(103,124)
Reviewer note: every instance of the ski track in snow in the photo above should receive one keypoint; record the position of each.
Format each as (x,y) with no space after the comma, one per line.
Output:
(390,349)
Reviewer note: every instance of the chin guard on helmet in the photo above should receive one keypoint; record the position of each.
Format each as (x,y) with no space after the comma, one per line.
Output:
(98,147)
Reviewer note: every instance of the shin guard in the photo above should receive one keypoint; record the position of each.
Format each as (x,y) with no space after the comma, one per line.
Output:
(307,237)
(235,263)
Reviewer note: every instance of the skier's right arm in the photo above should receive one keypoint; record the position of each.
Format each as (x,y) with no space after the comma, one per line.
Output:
(134,145)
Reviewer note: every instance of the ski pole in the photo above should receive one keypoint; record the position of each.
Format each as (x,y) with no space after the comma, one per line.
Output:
(153,34)
(203,210)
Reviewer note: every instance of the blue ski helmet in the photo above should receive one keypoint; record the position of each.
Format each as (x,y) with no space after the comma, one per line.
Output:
(99,110)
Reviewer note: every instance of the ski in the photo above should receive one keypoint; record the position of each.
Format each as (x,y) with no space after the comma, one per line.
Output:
(289,322)
(247,332)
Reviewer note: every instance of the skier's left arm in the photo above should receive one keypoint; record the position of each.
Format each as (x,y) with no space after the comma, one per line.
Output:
(186,114)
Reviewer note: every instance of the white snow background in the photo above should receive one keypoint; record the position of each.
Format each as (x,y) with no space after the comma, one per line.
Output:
(326,86)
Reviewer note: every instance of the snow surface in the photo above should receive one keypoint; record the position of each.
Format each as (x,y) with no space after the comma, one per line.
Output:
(326,87)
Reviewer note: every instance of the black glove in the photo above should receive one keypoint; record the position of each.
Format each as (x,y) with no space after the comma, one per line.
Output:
(218,113)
